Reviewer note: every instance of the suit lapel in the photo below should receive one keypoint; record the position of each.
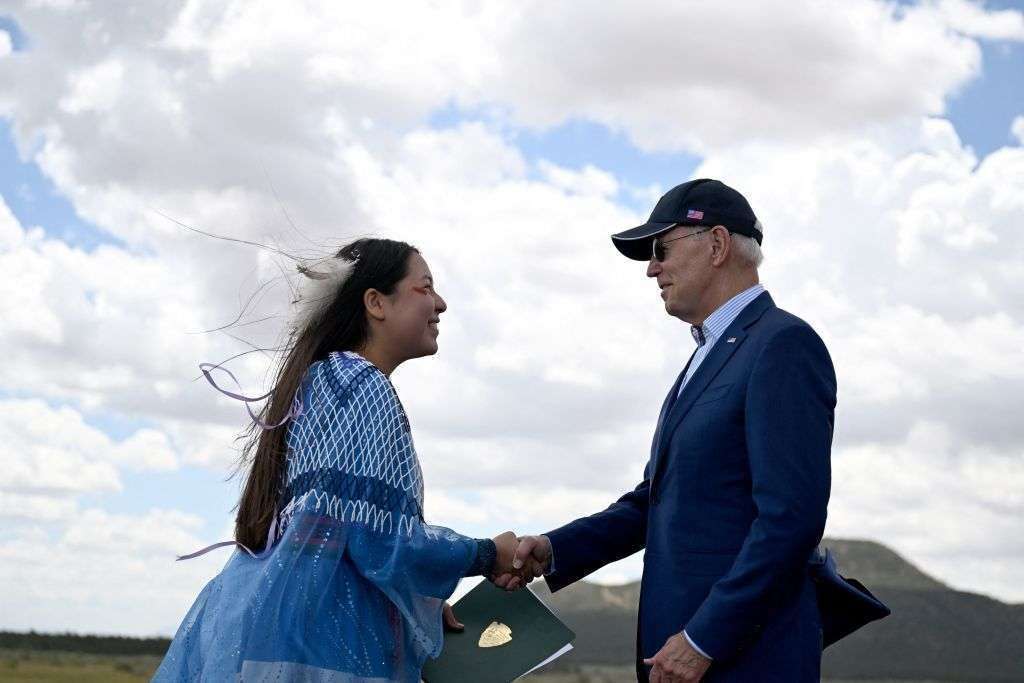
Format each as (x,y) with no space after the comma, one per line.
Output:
(709,368)
(670,400)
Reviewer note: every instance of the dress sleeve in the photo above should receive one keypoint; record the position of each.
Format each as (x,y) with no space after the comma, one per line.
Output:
(416,565)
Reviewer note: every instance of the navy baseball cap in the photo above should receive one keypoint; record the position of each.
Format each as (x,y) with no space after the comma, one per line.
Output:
(696,202)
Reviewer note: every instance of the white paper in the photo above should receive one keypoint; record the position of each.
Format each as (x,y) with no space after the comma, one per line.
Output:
(568,646)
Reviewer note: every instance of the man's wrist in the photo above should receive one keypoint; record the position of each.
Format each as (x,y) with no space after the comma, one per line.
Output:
(550,569)
(695,646)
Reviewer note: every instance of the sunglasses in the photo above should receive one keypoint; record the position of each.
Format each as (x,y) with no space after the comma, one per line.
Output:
(658,248)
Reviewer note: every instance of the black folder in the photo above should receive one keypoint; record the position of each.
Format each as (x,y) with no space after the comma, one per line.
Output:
(845,604)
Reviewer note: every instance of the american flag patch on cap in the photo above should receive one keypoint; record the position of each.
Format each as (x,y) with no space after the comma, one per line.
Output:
(694,214)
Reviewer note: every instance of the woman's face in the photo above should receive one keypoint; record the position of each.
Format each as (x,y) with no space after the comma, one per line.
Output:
(413,312)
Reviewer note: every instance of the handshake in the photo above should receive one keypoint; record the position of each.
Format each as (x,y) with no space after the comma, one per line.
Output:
(520,560)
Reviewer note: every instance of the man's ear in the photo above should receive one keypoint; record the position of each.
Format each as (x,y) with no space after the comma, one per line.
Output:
(373,302)
(721,244)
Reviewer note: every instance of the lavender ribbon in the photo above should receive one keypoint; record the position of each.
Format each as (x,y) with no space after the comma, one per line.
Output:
(294,411)
(271,537)
(208,548)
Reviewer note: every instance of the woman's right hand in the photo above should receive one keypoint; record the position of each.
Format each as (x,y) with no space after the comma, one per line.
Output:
(506,545)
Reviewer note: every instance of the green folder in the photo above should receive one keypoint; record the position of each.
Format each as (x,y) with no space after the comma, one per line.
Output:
(538,636)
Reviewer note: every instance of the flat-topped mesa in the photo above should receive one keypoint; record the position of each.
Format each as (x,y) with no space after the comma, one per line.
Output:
(878,566)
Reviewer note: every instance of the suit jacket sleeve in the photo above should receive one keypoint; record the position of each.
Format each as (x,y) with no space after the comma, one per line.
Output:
(790,405)
(589,543)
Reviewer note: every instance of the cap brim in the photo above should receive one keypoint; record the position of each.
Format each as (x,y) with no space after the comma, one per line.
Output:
(635,243)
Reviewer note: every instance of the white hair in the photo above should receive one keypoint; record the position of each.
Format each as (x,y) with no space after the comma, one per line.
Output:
(748,250)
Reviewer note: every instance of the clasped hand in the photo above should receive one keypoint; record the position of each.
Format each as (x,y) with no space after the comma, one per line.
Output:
(520,560)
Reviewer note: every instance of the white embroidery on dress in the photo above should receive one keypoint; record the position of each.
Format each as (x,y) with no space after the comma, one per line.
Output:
(353,511)
(366,437)
(325,436)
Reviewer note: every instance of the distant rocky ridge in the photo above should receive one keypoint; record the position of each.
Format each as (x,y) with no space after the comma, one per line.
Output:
(935,633)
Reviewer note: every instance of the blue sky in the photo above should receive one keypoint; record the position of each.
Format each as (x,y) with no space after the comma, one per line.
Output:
(30,195)
(34,199)
(981,113)
(498,362)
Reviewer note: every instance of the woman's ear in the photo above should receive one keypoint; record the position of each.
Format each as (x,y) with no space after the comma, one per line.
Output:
(373,302)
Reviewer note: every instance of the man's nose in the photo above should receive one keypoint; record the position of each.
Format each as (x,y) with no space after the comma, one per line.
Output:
(653,268)
(439,304)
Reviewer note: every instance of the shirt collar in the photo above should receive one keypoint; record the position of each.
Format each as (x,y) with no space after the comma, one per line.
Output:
(723,316)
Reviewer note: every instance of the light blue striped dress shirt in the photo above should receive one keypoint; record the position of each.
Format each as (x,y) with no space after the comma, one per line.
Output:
(706,336)
(708,333)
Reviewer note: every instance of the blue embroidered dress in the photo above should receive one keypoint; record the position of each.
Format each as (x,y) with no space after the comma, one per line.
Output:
(352,587)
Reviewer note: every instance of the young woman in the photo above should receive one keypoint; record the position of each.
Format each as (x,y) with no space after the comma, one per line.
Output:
(338,578)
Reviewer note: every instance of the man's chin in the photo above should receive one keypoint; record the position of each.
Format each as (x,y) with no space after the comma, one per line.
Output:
(674,311)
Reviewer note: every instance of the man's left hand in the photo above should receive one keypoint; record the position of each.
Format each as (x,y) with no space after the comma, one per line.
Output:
(677,661)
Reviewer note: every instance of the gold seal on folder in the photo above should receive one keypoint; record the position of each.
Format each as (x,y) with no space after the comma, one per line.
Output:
(495,635)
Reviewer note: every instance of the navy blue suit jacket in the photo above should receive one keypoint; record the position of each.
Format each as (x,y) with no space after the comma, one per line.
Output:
(732,505)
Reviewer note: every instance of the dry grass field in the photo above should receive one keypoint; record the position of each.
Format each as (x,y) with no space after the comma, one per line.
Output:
(626,674)
(21,666)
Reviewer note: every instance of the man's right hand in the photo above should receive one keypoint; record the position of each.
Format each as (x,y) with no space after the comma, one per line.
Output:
(532,559)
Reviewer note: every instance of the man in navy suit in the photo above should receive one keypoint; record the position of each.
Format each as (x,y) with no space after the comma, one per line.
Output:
(733,499)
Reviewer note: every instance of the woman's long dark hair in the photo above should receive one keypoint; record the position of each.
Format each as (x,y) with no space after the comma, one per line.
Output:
(379,264)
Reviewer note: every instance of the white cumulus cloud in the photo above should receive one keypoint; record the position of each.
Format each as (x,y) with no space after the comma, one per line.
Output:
(883,230)
(54,451)
(1017,128)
